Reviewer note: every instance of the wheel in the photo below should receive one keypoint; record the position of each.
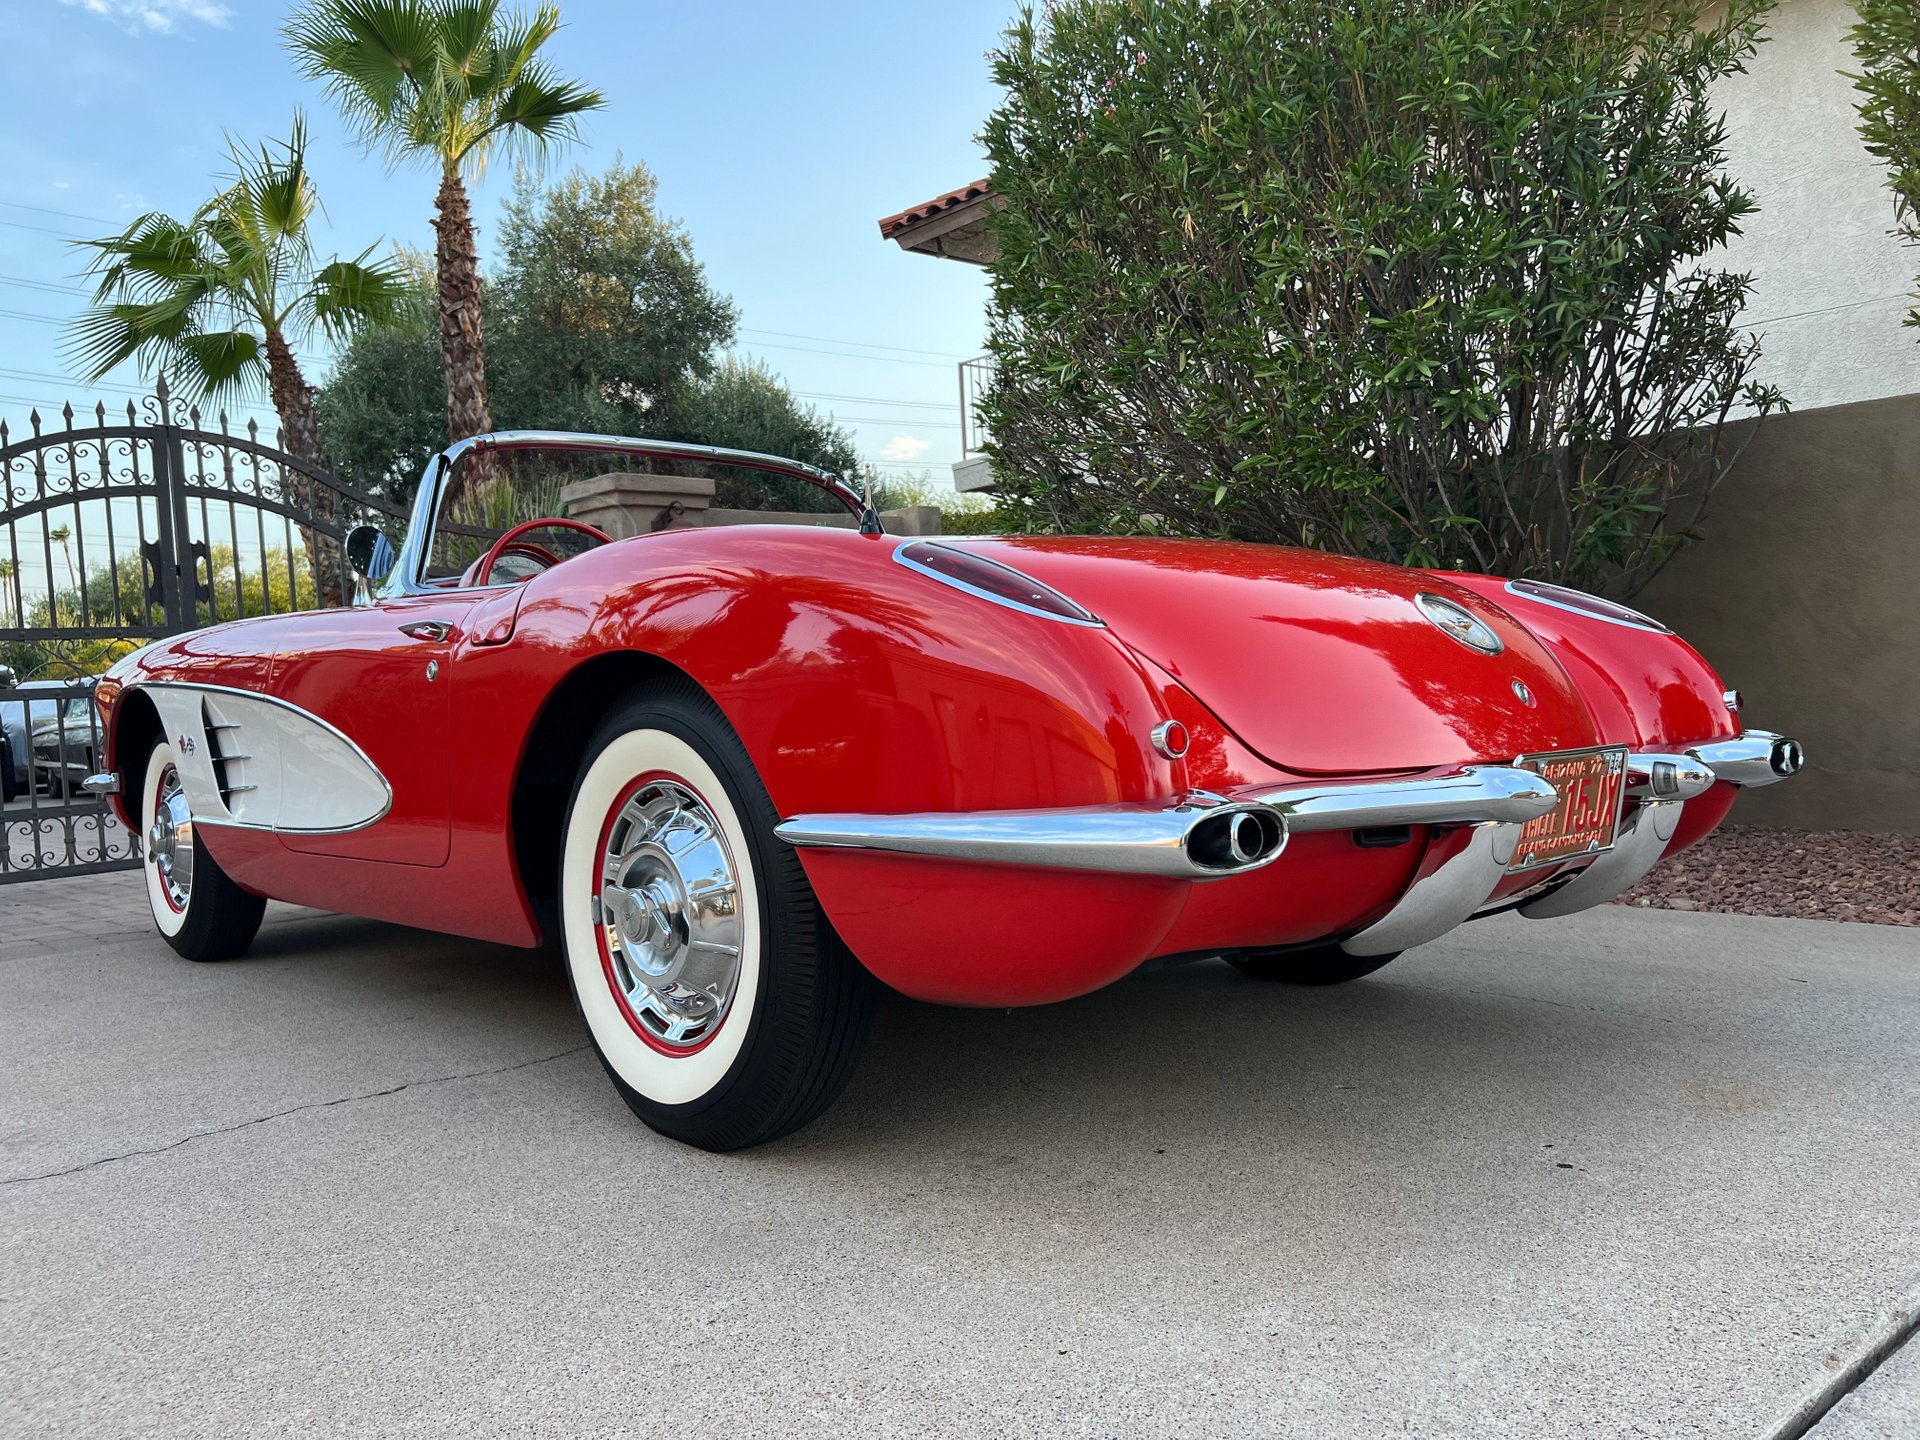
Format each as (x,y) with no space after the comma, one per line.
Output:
(196,906)
(1314,965)
(9,782)
(723,1006)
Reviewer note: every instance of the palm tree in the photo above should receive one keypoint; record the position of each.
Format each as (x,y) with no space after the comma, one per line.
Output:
(62,535)
(215,303)
(7,572)
(448,82)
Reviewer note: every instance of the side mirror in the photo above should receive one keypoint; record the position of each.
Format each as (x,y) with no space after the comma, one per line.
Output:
(7,678)
(370,557)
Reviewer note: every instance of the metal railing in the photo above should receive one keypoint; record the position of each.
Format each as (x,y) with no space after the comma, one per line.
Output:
(976,376)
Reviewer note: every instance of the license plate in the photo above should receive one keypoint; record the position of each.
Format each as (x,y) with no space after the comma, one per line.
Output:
(1593,787)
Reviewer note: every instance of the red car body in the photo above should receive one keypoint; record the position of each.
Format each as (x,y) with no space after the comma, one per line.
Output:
(862,686)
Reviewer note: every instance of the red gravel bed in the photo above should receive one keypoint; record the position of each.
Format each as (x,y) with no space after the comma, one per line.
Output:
(1800,874)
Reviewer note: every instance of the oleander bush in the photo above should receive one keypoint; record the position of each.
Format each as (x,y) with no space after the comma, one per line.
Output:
(1887,40)
(1430,282)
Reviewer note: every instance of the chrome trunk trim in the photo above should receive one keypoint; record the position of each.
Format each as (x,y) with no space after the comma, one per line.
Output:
(1175,839)
(1637,848)
(1474,795)
(1754,758)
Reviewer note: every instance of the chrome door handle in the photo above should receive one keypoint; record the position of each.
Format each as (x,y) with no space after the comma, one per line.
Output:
(427,629)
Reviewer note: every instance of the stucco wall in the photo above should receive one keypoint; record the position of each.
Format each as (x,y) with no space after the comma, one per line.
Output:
(1805,595)
(1830,279)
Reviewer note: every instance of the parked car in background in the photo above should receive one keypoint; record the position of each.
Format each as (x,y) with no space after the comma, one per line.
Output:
(24,708)
(65,744)
(741,772)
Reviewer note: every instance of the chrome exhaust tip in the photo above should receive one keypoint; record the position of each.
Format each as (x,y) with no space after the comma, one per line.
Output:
(1238,839)
(1786,758)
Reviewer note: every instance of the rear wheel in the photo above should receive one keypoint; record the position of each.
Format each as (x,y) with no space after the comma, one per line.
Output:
(196,907)
(723,1006)
(1315,965)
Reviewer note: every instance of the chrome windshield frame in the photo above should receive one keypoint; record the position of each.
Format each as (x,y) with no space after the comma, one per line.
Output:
(408,578)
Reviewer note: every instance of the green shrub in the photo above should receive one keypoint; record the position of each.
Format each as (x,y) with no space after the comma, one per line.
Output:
(1420,281)
(1887,40)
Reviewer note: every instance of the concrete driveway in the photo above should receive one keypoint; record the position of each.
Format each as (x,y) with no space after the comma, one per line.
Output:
(1634,1173)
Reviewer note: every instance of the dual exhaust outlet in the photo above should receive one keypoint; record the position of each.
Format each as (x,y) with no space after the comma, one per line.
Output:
(1241,838)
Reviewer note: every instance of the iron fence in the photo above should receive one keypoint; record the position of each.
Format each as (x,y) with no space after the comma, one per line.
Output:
(122,527)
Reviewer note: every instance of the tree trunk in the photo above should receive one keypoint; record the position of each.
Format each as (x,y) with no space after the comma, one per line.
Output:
(463,341)
(300,438)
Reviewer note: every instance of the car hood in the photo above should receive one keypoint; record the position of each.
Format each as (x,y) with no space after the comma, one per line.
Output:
(1318,663)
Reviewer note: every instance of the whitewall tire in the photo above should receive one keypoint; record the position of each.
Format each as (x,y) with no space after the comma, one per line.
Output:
(722,1005)
(199,910)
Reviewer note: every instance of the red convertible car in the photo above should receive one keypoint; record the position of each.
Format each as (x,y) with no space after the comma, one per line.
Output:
(737,773)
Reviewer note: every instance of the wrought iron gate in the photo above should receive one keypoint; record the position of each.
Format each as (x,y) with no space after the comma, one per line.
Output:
(121,531)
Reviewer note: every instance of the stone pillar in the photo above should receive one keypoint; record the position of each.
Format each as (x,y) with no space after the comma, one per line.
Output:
(912,520)
(624,504)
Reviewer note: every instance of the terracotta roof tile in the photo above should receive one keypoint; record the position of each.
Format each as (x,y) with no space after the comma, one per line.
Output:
(894,224)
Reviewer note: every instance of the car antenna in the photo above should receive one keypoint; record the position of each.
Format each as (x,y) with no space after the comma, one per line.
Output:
(869,517)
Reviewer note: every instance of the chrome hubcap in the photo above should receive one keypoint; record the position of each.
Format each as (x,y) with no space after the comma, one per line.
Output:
(668,909)
(170,841)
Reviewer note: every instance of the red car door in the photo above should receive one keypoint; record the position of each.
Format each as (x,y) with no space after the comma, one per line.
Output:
(379,674)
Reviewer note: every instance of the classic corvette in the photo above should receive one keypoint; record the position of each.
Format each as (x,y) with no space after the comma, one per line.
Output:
(736,774)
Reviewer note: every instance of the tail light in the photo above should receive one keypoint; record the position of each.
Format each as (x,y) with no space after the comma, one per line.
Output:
(990,580)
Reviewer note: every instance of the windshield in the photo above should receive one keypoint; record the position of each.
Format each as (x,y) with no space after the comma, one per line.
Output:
(621,487)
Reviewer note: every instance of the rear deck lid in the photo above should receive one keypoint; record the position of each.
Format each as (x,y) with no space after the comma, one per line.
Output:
(1319,663)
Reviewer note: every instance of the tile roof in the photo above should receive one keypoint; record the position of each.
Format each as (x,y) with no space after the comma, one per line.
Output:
(906,219)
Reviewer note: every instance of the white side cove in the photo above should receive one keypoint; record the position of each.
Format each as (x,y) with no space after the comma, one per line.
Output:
(249,760)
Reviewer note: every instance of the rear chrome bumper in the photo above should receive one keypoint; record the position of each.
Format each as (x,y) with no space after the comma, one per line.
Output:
(1460,874)
(1210,837)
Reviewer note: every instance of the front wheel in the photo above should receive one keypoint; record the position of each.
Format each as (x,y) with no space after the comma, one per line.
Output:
(723,1006)
(196,907)
(1314,965)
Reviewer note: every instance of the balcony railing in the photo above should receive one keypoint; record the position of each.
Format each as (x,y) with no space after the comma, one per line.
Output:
(975,376)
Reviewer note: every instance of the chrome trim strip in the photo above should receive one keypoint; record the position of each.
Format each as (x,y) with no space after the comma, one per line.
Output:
(1754,758)
(1117,839)
(1637,848)
(311,718)
(1092,622)
(1644,622)
(105,783)
(1470,796)
(1443,897)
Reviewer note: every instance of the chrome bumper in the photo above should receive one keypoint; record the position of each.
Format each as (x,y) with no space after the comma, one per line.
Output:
(1198,837)
(1758,757)
(1210,837)
(103,784)
(1459,875)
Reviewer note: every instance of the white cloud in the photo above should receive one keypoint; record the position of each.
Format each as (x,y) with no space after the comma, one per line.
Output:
(906,447)
(161,16)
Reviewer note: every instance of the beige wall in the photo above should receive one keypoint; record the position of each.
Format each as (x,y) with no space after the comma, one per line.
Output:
(1805,595)
(1830,280)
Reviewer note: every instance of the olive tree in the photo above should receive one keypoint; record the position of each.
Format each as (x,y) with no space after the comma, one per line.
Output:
(1429,282)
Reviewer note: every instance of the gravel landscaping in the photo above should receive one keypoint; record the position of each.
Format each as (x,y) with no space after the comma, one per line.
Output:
(1801,874)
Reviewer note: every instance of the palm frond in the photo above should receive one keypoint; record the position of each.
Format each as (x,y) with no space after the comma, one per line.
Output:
(223,361)
(376,59)
(349,293)
(442,79)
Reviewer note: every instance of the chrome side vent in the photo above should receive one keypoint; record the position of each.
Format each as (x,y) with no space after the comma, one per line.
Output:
(229,761)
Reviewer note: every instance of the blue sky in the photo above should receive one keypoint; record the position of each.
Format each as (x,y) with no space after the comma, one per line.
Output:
(780,133)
